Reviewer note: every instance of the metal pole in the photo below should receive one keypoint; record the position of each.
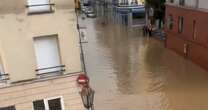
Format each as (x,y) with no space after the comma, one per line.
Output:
(81,47)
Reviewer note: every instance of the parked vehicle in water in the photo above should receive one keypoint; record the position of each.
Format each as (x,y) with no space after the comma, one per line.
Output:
(91,15)
(89,10)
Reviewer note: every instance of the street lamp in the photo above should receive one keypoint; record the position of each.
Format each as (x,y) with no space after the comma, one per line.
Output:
(87,95)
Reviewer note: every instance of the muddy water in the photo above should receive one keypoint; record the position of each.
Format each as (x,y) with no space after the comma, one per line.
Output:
(132,72)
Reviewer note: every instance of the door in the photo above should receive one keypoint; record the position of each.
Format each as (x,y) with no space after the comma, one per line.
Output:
(47,54)
(38,6)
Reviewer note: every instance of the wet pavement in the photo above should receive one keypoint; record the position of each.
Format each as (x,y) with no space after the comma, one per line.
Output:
(132,72)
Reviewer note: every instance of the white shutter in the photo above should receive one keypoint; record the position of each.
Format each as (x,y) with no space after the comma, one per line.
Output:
(38,9)
(2,71)
(47,54)
(1,67)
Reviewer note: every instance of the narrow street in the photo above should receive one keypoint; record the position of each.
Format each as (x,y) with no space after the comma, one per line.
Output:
(131,72)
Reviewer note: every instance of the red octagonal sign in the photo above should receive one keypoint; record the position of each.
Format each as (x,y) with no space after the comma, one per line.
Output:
(83,80)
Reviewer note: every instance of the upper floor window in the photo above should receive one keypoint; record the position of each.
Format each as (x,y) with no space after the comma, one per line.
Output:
(47,53)
(182,2)
(180,24)
(171,1)
(39,6)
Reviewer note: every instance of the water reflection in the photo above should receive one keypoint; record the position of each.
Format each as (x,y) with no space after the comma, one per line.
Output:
(131,72)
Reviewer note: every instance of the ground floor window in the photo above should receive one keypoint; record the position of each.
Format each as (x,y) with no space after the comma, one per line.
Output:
(8,108)
(55,103)
(180,24)
(170,22)
(138,16)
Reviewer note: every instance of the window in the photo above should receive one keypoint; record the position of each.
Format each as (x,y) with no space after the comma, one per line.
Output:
(47,54)
(8,108)
(171,1)
(170,22)
(138,16)
(1,67)
(194,29)
(182,2)
(49,104)
(180,24)
(3,76)
(39,6)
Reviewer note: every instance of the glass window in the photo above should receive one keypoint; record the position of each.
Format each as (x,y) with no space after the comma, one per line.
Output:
(49,104)
(54,104)
(8,108)
(194,29)
(180,24)
(38,6)
(39,105)
(182,2)
(170,22)
(171,1)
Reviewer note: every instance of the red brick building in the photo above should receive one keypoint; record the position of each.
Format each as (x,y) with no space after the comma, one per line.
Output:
(187,29)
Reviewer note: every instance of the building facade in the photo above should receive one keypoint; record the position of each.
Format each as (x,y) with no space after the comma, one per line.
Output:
(39,55)
(186,28)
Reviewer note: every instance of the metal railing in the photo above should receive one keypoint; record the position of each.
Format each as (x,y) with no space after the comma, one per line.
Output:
(50,4)
(4,77)
(50,70)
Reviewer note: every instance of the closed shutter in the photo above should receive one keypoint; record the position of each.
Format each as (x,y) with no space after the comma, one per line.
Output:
(39,6)
(1,68)
(47,54)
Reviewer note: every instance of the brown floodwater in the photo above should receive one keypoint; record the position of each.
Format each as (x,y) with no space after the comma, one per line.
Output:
(132,72)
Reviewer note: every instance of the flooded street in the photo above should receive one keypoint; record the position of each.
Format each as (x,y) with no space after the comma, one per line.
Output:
(132,72)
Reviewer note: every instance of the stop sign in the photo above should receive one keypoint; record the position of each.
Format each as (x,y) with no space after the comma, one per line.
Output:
(83,80)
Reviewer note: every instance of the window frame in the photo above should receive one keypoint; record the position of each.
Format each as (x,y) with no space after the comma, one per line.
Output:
(46,104)
(12,106)
(170,22)
(182,2)
(194,29)
(171,1)
(180,24)
(51,10)
(61,66)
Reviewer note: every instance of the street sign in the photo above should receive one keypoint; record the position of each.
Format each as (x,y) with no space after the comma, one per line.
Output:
(83,80)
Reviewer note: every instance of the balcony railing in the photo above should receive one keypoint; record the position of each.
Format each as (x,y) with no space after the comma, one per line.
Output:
(50,71)
(4,77)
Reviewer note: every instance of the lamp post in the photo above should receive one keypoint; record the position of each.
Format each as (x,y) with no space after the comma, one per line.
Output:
(87,93)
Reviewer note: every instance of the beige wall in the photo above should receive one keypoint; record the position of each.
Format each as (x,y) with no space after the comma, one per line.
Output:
(23,95)
(18,29)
